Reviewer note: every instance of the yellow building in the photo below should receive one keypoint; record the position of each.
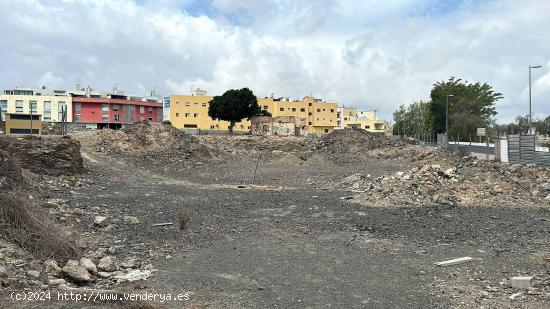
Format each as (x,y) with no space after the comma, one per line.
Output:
(346,115)
(22,124)
(191,112)
(43,102)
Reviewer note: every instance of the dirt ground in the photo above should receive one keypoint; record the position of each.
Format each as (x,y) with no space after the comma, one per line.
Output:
(307,233)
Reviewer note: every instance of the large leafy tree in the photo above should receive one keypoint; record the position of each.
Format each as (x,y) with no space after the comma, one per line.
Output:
(472,106)
(234,106)
(413,120)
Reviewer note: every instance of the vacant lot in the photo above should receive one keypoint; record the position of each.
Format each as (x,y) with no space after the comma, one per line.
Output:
(325,224)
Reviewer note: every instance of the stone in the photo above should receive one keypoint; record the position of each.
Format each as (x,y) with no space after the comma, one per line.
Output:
(33,273)
(100,220)
(51,267)
(77,272)
(89,265)
(103,274)
(131,220)
(522,282)
(133,275)
(436,167)
(455,261)
(77,211)
(3,271)
(128,263)
(55,282)
(107,263)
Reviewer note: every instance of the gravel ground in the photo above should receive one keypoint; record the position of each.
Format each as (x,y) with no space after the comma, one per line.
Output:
(289,241)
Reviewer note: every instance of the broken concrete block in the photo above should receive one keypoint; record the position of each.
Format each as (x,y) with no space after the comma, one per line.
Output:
(522,282)
(455,261)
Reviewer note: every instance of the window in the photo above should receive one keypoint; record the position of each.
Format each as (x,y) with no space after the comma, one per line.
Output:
(76,106)
(105,117)
(177,104)
(77,117)
(346,118)
(323,109)
(326,130)
(282,109)
(195,115)
(196,104)
(367,127)
(265,107)
(309,114)
(293,109)
(104,107)
(332,110)
(116,107)
(187,104)
(212,127)
(19,106)
(177,114)
(186,114)
(47,110)
(4,108)
(150,119)
(149,108)
(318,110)
(32,106)
(309,123)
(303,110)
(142,110)
(309,104)
(117,118)
(203,104)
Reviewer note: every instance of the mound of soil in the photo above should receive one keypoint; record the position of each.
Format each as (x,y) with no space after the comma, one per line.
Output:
(351,145)
(153,143)
(45,156)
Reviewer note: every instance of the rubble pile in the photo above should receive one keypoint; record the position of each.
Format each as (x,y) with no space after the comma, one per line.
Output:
(154,144)
(246,145)
(473,183)
(353,145)
(46,156)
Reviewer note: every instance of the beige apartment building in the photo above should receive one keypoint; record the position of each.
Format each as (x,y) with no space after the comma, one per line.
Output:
(191,112)
(44,102)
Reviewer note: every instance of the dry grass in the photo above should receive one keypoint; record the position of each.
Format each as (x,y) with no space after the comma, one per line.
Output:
(30,228)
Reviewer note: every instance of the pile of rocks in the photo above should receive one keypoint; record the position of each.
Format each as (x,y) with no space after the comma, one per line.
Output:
(152,144)
(474,183)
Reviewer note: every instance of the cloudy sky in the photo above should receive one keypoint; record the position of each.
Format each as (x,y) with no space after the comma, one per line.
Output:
(373,54)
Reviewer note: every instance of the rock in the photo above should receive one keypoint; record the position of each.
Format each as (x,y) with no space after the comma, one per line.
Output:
(107,263)
(76,272)
(436,167)
(89,265)
(51,267)
(100,220)
(54,282)
(133,275)
(3,271)
(399,175)
(77,211)
(103,274)
(33,273)
(130,220)
(129,263)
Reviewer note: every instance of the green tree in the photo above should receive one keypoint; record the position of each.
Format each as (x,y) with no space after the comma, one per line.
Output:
(234,106)
(472,106)
(414,120)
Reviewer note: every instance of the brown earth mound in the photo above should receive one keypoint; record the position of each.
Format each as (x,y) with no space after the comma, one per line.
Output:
(157,144)
(353,145)
(46,156)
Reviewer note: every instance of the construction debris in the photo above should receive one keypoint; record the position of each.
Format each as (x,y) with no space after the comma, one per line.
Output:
(454,261)
(522,282)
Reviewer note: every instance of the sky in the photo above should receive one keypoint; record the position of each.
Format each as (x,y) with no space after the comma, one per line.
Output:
(372,54)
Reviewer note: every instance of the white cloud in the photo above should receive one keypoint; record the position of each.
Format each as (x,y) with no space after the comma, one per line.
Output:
(372,54)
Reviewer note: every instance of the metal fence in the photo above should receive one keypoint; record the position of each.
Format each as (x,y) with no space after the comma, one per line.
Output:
(522,150)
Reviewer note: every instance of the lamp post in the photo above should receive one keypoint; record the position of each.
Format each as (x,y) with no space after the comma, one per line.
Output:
(531,67)
(447,115)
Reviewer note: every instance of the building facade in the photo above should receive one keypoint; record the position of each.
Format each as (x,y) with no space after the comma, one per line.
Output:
(313,115)
(44,102)
(367,120)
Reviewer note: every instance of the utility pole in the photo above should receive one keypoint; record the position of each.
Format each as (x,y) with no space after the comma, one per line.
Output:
(531,67)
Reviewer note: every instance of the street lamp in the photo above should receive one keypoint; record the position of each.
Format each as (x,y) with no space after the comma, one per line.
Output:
(447,114)
(531,67)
